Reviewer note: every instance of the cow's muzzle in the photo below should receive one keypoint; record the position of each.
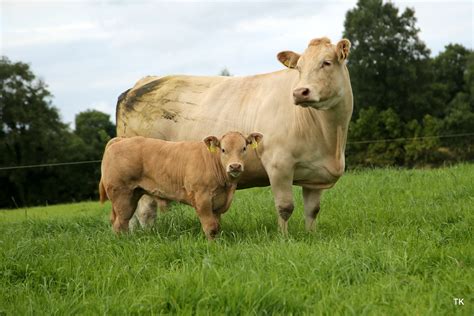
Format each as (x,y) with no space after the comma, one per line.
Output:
(301,95)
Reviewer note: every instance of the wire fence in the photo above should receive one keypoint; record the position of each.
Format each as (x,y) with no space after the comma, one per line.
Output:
(348,143)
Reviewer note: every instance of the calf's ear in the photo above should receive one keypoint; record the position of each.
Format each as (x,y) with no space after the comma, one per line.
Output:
(342,49)
(288,58)
(254,139)
(212,143)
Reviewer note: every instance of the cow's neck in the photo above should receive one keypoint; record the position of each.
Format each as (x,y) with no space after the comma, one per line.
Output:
(327,128)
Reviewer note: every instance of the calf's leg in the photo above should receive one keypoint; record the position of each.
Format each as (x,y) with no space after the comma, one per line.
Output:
(209,220)
(123,204)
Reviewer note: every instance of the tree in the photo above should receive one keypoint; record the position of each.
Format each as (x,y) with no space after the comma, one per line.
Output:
(449,69)
(389,64)
(31,133)
(400,92)
(94,129)
(453,74)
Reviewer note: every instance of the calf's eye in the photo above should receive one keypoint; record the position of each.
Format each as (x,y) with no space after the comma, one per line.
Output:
(244,149)
(223,150)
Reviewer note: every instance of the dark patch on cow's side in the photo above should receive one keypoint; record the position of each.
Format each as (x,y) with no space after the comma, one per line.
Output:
(121,97)
(167,115)
(137,93)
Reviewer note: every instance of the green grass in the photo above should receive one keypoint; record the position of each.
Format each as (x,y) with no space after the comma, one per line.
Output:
(393,242)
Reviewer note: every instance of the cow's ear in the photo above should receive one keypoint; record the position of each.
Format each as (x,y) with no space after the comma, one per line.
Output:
(288,58)
(212,143)
(254,139)
(342,49)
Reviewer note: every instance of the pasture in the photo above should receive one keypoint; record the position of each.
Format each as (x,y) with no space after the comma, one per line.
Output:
(387,241)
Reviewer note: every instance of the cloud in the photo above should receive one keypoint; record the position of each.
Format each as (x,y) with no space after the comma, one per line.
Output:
(104,106)
(441,23)
(67,33)
(89,52)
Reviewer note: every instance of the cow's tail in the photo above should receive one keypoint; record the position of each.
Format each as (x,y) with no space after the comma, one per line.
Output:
(102,193)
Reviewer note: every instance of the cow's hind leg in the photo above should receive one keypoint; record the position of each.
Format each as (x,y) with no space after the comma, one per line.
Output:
(311,200)
(145,214)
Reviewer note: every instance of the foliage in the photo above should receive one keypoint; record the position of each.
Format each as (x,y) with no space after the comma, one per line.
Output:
(387,58)
(386,242)
(32,133)
(400,92)
(95,129)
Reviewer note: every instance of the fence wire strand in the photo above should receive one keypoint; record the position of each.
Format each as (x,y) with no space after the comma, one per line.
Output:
(412,138)
(51,164)
(348,143)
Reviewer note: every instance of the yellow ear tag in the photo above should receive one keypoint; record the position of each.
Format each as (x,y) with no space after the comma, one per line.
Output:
(254,144)
(212,148)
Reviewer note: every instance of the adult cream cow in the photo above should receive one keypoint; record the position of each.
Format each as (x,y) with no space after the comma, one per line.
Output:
(303,111)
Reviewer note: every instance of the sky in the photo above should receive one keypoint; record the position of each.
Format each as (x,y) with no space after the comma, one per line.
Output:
(88,52)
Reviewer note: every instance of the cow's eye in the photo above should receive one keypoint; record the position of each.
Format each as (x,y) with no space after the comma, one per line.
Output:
(326,63)
(223,150)
(244,149)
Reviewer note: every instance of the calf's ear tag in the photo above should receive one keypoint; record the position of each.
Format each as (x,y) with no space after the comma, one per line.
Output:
(254,144)
(212,148)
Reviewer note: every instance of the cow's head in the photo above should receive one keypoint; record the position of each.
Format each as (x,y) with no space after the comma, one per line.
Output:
(322,72)
(233,147)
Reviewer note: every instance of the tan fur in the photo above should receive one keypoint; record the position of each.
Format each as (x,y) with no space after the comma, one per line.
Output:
(304,143)
(102,194)
(319,41)
(288,58)
(186,172)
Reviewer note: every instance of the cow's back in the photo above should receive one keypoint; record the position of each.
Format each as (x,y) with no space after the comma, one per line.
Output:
(192,107)
(159,104)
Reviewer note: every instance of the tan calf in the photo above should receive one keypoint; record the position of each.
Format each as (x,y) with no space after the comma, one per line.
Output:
(201,174)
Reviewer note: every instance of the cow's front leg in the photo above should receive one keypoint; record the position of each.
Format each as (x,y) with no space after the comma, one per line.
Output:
(311,200)
(281,182)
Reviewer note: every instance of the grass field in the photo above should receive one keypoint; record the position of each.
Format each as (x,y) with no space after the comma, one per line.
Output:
(393,242)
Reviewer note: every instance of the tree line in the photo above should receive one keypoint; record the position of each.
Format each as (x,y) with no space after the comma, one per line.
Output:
(32,133)
(402,95)
(401,92)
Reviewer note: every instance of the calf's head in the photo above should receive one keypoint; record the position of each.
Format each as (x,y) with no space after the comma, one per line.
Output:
(322,72)
(233,147)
